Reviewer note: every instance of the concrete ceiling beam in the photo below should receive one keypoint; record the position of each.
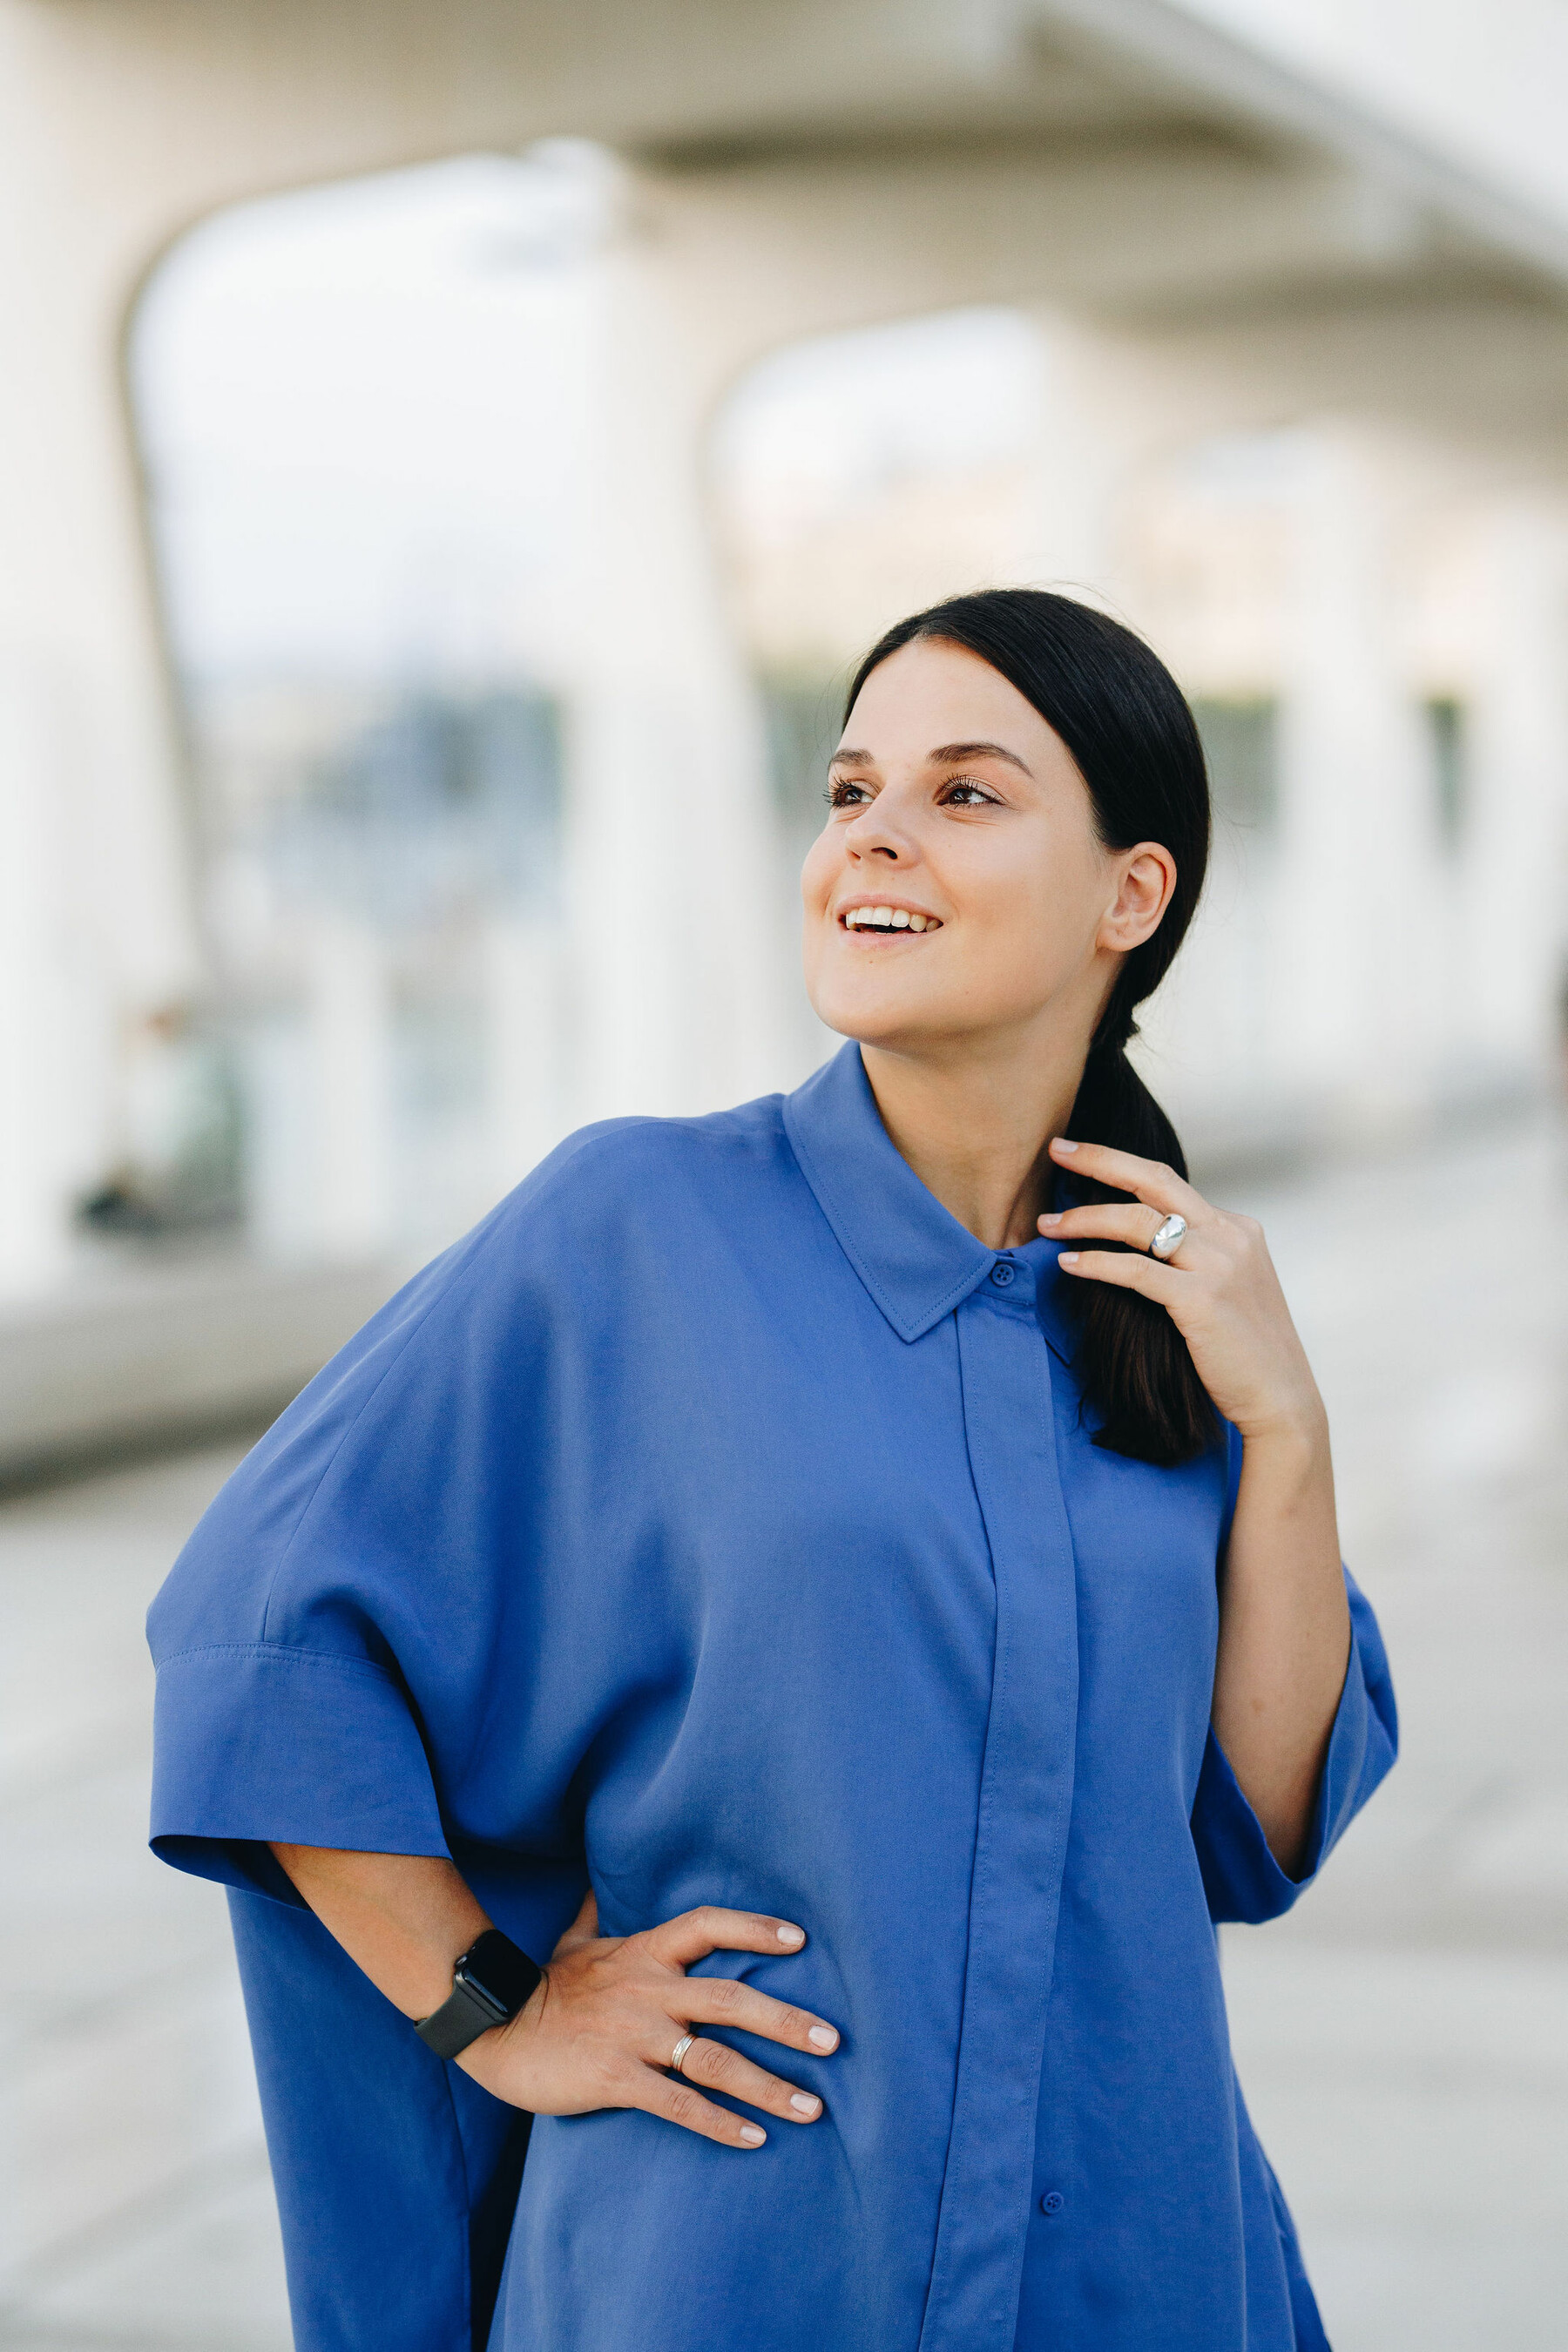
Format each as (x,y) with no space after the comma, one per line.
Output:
(809,244)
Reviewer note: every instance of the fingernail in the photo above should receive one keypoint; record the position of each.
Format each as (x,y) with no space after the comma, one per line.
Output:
(751,2135)
(823,2036)
(793,1937)
(1052,1217)
(803,2103)
(1067,1257)
(1060,1143)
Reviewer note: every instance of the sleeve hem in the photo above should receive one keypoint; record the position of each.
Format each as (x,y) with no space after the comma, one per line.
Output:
(259,1744)
(1242,1877)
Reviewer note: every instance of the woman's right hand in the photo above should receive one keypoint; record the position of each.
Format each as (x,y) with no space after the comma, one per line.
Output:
(600,2027)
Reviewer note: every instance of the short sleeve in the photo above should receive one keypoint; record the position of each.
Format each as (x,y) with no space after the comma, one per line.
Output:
(365,1644)
(1241,1877)
(259,1744)
(378,1585)
(283,1711)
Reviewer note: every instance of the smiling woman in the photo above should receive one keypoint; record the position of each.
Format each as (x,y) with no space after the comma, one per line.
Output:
(771,1626)
(1016,833)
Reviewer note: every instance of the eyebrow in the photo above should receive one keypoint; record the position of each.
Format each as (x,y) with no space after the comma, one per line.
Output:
(945,753)
(944,756)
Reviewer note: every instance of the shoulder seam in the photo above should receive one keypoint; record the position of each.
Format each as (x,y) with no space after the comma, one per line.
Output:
(310,1501)
(287,1653)
(482,1240)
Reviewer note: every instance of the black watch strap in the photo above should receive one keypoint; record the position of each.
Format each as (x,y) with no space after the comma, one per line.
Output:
(490,1983)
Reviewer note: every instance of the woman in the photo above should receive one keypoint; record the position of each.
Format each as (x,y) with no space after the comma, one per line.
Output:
(851,1586)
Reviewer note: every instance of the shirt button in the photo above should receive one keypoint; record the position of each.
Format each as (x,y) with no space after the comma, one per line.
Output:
(1052,2202)
(1002,1273)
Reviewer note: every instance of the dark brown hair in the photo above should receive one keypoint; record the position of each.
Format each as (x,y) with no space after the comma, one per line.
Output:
(1123,716)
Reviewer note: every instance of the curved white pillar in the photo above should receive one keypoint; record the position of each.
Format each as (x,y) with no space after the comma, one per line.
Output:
(1356,914)
(673,953)
(1514,882)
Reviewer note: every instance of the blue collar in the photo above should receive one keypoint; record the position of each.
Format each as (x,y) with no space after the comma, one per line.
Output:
(914,1258)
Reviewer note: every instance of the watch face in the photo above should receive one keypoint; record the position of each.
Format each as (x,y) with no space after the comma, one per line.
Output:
(497,1973)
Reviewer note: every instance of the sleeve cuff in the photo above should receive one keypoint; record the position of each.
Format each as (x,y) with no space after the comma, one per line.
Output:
(1241,1876)
(260,1744)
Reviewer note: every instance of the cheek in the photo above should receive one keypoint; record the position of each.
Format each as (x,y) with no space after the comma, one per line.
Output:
(1035,926)
(816,874)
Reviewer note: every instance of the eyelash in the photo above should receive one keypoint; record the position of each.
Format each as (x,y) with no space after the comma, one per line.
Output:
(835,793)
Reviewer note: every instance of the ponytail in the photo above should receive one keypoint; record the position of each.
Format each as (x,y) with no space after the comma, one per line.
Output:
(1133,1362)
(1123,716)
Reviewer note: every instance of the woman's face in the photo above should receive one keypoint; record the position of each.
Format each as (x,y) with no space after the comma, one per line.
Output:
(953,804)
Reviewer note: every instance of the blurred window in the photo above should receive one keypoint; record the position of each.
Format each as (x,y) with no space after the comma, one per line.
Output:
(364,418)
(1449,751)
(1240,740)
(444,805)
(803,720)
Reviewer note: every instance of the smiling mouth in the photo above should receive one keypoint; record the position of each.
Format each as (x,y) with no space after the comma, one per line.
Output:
(887,922)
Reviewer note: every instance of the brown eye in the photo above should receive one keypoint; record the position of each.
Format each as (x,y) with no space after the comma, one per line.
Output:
(843,794)
(966,795)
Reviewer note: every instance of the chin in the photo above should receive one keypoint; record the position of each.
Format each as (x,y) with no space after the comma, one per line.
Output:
(884,1017)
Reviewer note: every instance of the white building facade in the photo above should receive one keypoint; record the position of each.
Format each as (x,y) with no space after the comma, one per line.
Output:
(1300,279)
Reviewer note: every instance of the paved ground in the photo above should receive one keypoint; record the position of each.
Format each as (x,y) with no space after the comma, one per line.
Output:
(1403,2039)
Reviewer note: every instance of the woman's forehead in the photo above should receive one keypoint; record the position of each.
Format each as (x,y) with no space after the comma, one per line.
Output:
(935,700)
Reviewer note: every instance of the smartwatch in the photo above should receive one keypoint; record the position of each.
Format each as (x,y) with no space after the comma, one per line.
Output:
(490,1983)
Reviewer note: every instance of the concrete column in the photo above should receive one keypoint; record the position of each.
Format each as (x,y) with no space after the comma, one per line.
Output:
(51,1058)
(350,1030)
(1512,885)
(1354,919)
(1100,415)
(673,953)
(525,1058)
(98,925)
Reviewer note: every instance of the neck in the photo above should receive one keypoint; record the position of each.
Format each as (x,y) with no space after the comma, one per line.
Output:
(975,1126)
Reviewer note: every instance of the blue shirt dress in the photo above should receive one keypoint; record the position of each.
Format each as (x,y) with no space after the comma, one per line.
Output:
(720,1523)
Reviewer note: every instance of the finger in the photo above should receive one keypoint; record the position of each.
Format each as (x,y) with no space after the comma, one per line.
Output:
(584,1928)
(672,2098)
(1152,1182)
(1129,1272)
(719,2068)
(1107,1220)
(694,1934)
(722,2000)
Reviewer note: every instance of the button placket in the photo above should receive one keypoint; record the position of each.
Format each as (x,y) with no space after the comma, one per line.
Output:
(1025,1809)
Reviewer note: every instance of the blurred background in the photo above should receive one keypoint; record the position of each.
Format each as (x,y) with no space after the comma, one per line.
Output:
(450,463)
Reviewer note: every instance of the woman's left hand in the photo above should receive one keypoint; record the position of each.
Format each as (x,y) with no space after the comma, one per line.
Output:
(1218,1286)
(1284,1632)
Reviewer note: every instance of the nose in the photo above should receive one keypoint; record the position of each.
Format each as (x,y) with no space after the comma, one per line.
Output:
(873,833)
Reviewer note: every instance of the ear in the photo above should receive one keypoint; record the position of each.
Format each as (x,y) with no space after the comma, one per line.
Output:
(1147,877)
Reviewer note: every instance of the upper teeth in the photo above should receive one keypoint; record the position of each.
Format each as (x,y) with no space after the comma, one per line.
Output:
(886,918)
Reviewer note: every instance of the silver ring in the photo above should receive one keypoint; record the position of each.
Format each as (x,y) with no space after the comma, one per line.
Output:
(1168,1238)
(681,2047)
